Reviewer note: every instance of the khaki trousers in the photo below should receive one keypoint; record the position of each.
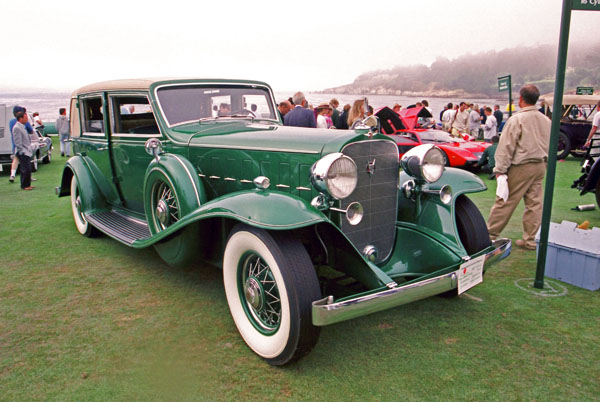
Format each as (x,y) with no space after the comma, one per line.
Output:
(524,182)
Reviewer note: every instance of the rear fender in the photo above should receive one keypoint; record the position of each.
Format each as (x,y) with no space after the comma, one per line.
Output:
(91,196)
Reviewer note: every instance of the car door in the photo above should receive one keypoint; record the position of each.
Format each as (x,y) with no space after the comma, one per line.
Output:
(132,123)
(94,145)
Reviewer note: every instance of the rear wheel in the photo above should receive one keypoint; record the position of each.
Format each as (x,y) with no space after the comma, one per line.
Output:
(48,158)
(34,162)
(83,226)
(270,284)
(564,146)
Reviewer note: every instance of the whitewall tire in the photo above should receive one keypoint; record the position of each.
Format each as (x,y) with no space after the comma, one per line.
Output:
(270,285)
(83,226)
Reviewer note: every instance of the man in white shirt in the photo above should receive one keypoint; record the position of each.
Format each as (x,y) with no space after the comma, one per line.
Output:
(447,117)
(460,123)
(490,128)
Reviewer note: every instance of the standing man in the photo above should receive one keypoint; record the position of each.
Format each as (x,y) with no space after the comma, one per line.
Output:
(490,128)
(11,125)
(460,123)
(448,117)
(300,116)
(521,155)
(62,126)
(284,108)
(595,133)
(498,115)
(474,121)
(335,115)
(23,149)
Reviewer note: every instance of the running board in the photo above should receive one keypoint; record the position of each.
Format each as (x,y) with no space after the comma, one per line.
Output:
(125,229)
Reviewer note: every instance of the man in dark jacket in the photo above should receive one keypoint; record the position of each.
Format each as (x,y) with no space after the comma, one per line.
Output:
(23,149)
(343,119)
(498,115)
(300,116)
(487,161)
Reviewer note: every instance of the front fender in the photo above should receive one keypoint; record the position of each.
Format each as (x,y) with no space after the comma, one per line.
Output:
(430,213)
(91,196)
(265,209)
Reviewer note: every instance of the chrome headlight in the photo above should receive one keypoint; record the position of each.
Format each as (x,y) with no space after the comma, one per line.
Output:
(425,162)
(334,174)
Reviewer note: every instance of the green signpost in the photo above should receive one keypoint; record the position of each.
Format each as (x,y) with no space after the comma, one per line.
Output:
(505,84)
(559,85)
(585,91)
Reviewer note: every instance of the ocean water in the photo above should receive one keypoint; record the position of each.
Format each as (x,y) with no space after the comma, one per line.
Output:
(48,103)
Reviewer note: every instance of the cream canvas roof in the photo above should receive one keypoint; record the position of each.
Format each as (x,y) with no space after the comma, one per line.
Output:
(572,99)
(132,84)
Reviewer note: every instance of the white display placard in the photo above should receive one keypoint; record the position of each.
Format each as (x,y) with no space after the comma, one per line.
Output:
(470,274)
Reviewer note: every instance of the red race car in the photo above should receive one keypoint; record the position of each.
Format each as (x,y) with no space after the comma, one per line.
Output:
(406,129)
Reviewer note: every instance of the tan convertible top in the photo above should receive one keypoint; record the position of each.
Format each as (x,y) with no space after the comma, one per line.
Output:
(133,84)
(572,99)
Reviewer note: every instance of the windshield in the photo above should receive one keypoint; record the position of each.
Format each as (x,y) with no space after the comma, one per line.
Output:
(438,136)
(190,103)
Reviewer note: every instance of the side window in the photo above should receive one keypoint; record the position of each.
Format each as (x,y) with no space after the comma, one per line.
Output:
(91,113)
(132,115)
(75,128)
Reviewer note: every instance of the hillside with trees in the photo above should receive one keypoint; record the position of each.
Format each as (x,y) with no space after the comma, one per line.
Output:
(475,75)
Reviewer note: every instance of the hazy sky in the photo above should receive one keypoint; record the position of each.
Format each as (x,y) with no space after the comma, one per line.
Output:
(293,45)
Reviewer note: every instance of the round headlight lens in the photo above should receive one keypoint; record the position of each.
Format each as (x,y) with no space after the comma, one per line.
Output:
(335,174)
(424,163)
(433,165)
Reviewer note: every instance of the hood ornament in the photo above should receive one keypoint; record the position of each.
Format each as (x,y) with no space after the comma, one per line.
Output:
(371,167)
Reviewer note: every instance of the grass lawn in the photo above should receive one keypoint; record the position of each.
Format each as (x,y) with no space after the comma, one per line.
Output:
(90,319)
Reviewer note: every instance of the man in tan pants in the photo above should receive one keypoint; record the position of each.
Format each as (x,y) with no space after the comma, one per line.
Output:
(521,155)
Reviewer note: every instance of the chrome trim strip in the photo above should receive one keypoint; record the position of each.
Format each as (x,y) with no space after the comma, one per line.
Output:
(86,134)
(303,188)
(296,151)
(213,177)
(190,176)
(282,186)
(201,175)
(245,181)
(137,135)
(229,179)
(325,311)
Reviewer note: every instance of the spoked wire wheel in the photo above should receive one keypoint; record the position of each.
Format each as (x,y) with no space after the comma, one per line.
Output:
(164,204)
(259,294)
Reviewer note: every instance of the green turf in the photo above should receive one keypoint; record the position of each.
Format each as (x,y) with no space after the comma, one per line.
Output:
(90,319)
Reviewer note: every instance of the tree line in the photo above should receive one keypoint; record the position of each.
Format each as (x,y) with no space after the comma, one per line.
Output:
(476,74)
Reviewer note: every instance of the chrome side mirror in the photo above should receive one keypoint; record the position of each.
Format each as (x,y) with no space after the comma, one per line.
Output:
(154,147)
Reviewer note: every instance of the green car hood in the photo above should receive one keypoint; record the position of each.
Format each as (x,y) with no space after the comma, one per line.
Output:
(267,137)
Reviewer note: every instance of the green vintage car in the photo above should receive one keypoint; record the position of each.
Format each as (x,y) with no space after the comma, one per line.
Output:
(310,227)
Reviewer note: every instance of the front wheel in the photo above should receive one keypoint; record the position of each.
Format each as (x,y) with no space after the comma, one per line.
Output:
(48,158)
(270,284)
(34,162)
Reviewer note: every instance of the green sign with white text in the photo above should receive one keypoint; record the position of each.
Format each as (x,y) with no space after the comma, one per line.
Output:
(503,83)
(585,91)
(590,5)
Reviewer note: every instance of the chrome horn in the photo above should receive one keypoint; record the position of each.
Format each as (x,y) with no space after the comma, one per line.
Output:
(354,213)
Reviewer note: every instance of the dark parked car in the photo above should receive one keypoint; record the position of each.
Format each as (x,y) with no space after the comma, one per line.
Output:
(575,122)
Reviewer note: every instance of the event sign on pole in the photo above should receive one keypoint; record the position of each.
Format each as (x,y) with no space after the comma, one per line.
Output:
(585,91)
(505,84)
(559,86)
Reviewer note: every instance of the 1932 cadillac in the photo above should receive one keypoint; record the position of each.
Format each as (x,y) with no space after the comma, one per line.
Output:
(311,227)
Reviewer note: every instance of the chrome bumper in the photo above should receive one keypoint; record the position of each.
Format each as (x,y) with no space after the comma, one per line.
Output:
(325,311)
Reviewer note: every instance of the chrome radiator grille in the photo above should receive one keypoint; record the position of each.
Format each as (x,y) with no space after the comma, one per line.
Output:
(377,191)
